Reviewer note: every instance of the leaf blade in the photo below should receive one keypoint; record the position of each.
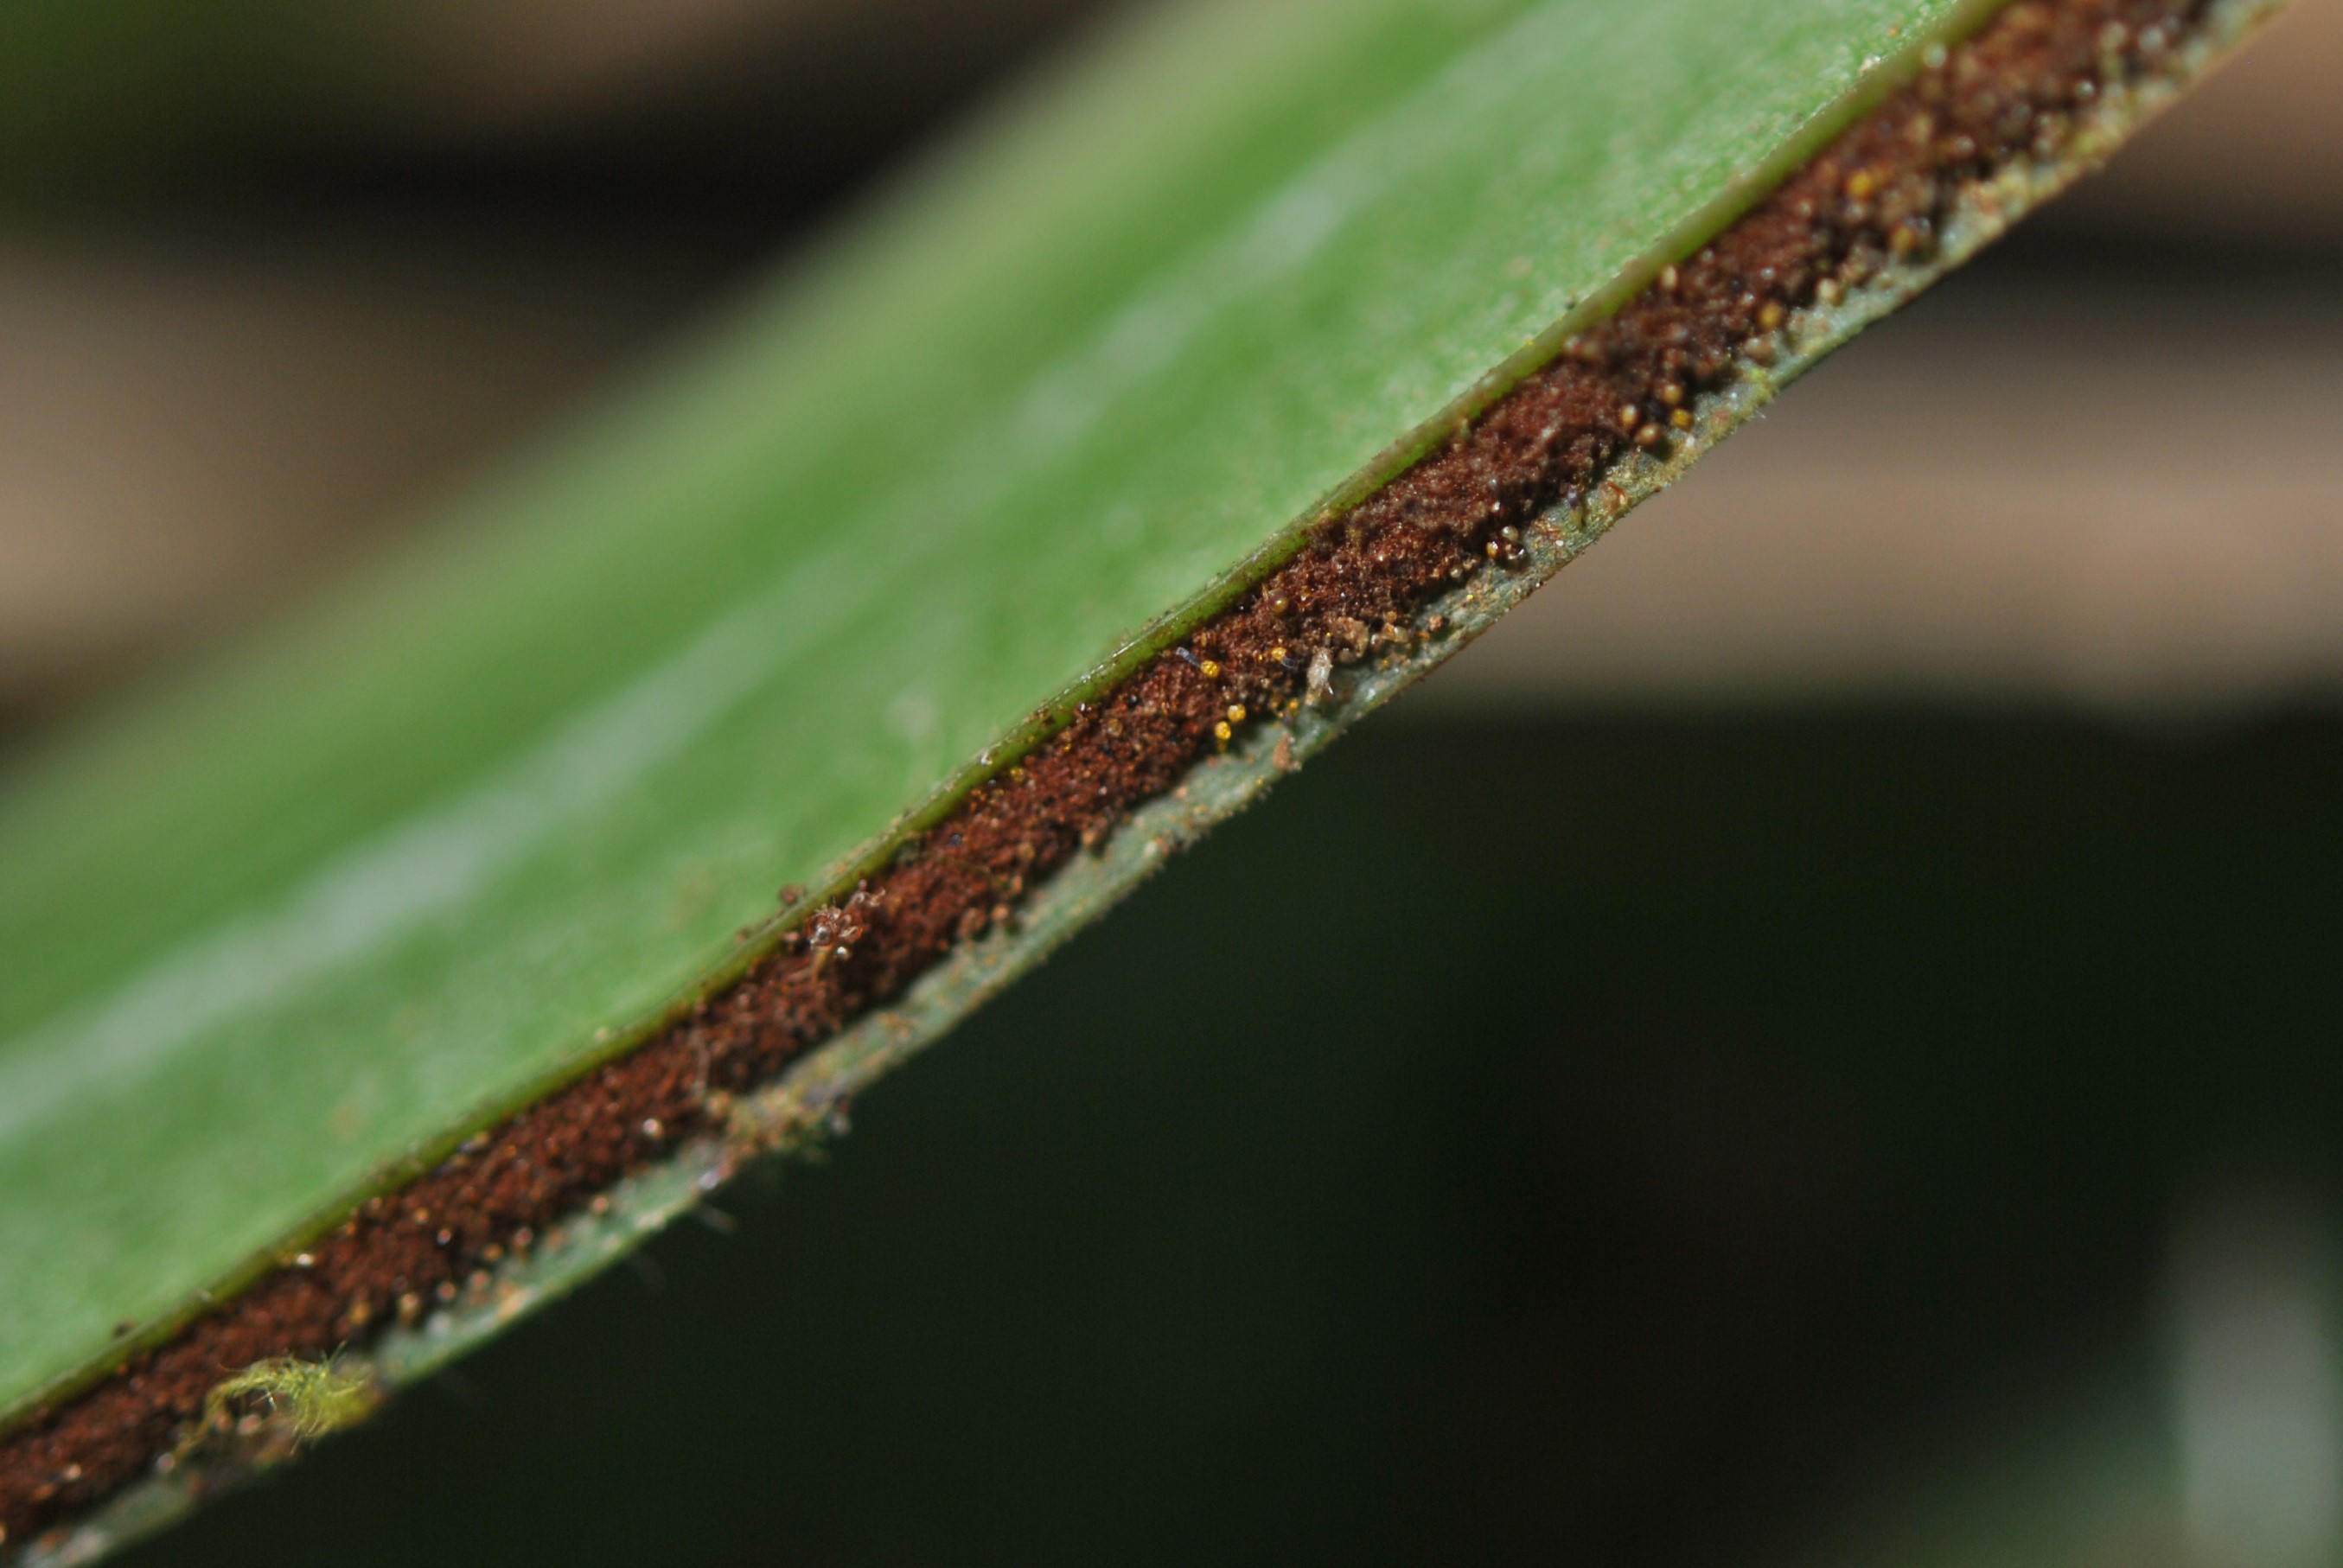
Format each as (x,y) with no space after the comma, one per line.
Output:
(659,747)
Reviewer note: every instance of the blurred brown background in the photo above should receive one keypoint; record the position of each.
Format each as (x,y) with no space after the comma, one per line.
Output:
(240,351)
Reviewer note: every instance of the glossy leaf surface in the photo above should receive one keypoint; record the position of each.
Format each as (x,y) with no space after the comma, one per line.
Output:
(299,916)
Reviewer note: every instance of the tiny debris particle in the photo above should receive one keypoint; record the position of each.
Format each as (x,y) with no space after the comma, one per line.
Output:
(1320,688)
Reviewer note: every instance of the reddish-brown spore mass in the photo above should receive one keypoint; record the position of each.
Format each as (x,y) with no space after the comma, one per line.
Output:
(1877,192)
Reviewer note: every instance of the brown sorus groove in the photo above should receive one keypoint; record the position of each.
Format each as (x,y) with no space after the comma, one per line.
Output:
(1878,192)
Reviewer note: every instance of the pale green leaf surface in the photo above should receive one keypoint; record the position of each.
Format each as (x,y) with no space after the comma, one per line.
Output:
(295,918)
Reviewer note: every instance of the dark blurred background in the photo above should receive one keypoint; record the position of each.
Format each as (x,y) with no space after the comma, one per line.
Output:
(1816,1042)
